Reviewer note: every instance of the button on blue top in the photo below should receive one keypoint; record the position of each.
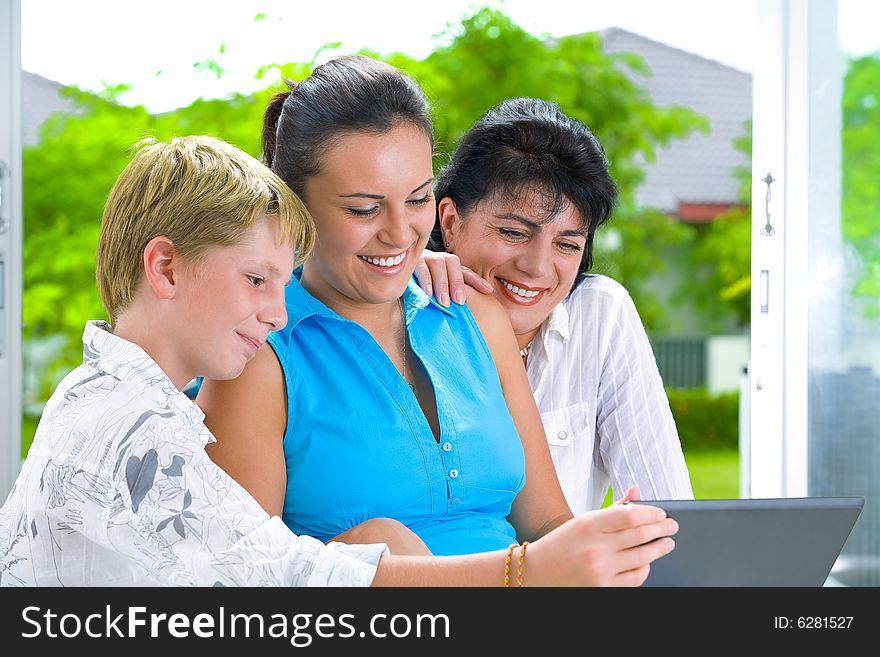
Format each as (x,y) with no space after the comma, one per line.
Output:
(358,446)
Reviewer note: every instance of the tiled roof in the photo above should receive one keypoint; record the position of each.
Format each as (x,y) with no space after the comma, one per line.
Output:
(697,170)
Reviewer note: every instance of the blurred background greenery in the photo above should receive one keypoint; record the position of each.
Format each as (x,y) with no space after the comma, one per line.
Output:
(479,61)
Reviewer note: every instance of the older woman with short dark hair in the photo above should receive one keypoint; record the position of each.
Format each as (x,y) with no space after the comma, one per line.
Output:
(519,203)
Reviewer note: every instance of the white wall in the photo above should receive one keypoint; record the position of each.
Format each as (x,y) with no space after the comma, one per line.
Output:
(726,356)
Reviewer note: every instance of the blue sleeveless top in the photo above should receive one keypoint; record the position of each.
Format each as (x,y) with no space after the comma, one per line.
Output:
(357,444)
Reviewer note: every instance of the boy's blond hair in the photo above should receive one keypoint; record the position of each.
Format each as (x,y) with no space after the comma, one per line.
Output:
(196,191)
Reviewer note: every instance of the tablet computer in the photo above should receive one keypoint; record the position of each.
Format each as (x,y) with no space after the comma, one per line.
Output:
(791,541)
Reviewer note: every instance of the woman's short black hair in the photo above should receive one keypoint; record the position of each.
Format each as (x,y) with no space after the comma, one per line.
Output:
(526,144)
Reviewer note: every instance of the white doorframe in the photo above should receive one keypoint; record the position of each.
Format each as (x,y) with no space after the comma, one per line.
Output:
(11,226)
(796,129)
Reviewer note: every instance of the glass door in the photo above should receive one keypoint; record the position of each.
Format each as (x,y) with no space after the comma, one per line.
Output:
(814,385)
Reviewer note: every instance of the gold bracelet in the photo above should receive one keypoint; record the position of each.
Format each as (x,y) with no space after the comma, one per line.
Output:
(507,563)
(519,569)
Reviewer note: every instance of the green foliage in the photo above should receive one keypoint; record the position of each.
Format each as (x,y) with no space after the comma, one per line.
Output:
(722,249)
(705,421)
(714,474)
(632,249)
(720,255)
(861,170)
(481,61)
(66,181)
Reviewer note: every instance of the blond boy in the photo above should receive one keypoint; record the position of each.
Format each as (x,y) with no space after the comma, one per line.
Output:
(197,243)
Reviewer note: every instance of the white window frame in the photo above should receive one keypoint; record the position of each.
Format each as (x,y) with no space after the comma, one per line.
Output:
(796,129)
(11,227)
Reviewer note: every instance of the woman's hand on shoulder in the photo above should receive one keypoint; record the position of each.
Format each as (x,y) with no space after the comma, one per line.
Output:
(442,276)
(491,317)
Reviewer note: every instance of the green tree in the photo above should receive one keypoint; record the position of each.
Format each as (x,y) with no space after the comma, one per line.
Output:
(721,252)
(66,181)
(481,61)
(861,171)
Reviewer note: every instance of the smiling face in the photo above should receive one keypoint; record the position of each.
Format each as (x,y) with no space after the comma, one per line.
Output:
(531,260)
(229,301)
(374,210)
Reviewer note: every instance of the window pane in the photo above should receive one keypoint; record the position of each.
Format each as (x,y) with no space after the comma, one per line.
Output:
(844,348)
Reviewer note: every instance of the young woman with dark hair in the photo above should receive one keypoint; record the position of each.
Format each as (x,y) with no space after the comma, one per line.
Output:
(375,402)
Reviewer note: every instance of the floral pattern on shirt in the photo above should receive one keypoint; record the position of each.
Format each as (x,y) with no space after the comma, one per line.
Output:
(117,490)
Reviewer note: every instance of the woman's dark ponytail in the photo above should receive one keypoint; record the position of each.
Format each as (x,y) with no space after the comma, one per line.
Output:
(270,125)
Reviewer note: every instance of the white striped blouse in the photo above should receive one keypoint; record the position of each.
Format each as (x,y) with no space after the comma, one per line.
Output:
(605,412)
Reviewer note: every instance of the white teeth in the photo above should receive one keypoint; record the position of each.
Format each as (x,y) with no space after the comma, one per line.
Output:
(384,262)
(528,294)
